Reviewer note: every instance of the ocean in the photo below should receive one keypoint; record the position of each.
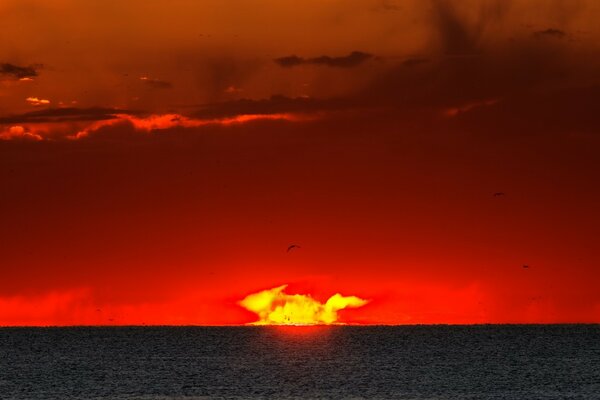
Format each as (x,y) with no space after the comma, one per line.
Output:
(335,362)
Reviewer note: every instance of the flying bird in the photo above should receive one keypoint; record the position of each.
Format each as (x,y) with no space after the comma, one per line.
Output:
(525,266)
(498,194)
(291,247)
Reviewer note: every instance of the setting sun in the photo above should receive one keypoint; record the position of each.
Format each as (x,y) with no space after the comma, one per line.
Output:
(274,307)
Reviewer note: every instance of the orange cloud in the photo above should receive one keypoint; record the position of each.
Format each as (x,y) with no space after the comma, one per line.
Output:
(56,124)
(156,83)
(35,101)
(274,307)
(65,306)
(166,121)
(83,306)
(454,111)
(19,132)
(233,89)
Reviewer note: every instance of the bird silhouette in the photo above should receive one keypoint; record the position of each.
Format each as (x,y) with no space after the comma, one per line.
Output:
(498,194)
(525,266)
(291,247)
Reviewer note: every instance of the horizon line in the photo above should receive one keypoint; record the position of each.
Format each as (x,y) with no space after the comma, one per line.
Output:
(302,326)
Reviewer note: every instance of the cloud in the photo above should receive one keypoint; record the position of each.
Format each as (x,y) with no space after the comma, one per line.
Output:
(476,63)
(464,64)
(19,132)
(550,33)
(156,83)
(67,114)
(44,309)
(85,305)
(232,89)
(351,60)
(454,111)
(218,74)
(564,111)
(458,35)
(274,105)
(155,122)
(35,101)
(455,35)
(18,72)
(75,123)
(274,307)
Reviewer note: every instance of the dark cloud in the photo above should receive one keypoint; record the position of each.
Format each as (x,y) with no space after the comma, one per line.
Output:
(351,60)
(65,115)
(456,37)
(471,63)
(476,73)
(273,105)
(156,83)
(18,72)
(290,61)
(567,111)
(459,35)
(222,73)
(550,32)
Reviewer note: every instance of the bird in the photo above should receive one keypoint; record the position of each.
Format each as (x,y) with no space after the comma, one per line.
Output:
(291,247)
(525,266)
(498,194)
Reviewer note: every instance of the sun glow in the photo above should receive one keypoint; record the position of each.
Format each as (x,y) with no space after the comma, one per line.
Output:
(274,307)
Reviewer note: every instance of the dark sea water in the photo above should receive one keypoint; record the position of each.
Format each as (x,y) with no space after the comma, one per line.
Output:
(416,362)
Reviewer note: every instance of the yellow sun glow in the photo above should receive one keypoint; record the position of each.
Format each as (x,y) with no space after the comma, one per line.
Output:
(274,307)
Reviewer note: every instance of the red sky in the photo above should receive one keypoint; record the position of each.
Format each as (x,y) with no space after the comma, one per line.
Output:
(158,158)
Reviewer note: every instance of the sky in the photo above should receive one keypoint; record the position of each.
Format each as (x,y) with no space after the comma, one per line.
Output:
(437,159)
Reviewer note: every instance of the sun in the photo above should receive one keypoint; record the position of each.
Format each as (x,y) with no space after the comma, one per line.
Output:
(275,307)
